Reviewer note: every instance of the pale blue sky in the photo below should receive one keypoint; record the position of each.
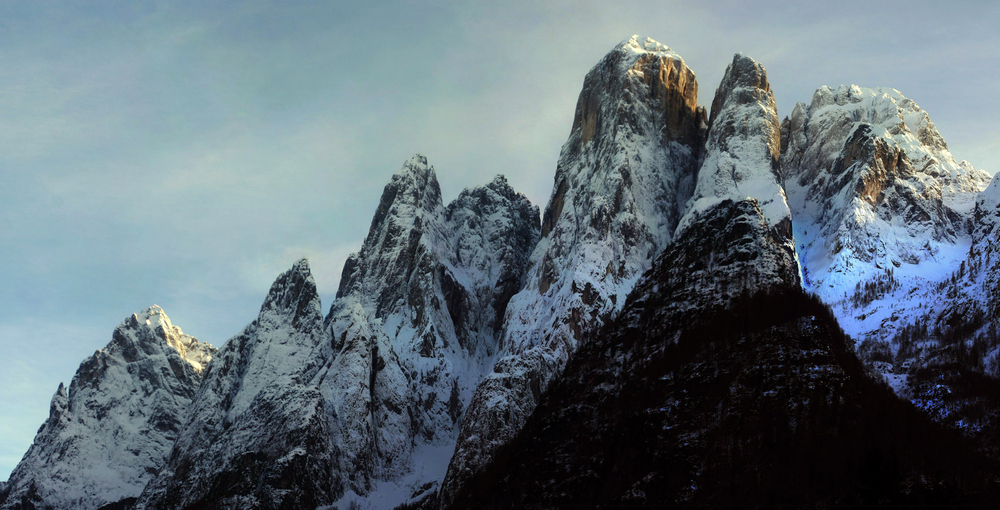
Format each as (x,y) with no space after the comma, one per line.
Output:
(184,154)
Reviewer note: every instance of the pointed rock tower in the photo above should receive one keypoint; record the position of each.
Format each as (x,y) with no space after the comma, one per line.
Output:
(416,323)
(622,179)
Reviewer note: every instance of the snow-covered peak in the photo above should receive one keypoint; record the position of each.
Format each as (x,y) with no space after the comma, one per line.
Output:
(742,147)
(258,434)
(834,113)
(112,428)
(413,188)
(416,325)
(622,177)
(989,199)
(876,196)
(988,206)
(198,354)
(416,183)
(638,45)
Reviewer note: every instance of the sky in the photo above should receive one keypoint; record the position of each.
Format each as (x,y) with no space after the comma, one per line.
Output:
(186,153)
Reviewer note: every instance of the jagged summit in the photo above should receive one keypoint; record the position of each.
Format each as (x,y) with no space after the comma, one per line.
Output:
(196,353)
(891,116)
(639,45)
(258,435)
(988,210)
(416,324)
(876,196)
(295,292)
(112,428)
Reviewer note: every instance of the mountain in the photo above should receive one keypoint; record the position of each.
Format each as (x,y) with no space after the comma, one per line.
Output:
(622,178)
(882,210)
(756,403)
(721,384)
(416,325)
(893,234)
(109,432)
(668,333)
(258,433)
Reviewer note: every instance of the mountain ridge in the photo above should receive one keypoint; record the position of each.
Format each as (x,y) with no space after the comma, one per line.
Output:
(454,322)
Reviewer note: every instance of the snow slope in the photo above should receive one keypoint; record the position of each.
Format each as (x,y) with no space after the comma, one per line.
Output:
(112,428)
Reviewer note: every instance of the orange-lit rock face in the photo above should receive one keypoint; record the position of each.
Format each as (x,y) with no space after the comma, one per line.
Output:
(665,83)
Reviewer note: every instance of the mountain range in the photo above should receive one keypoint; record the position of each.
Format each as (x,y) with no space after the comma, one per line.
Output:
(716,308)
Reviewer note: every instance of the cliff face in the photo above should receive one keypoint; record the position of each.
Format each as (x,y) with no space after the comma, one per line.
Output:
(110,431)
(624,174)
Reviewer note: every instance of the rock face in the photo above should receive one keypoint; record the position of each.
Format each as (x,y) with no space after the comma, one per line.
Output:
(111,430)
(259,433)
(877,197)
(416,324)
(624,174)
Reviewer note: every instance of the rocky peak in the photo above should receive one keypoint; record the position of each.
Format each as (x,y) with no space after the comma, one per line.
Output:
(258,435)
(112,428)
(742,147)
(988,212)
(744,82)
(409,201)
(294,295)
(412,190)
(152,326)
(647,73)
(622,178)
(873,187)
(418,319)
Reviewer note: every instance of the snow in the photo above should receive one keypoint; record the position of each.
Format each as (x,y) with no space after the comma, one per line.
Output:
(428,466)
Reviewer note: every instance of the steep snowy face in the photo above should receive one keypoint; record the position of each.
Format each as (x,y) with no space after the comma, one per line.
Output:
(978,277)
(259,434)
(742,148)
(110,431)
(416,322)
(987,226)
(623,175)
(735,237)
(985,253)
(876,196)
